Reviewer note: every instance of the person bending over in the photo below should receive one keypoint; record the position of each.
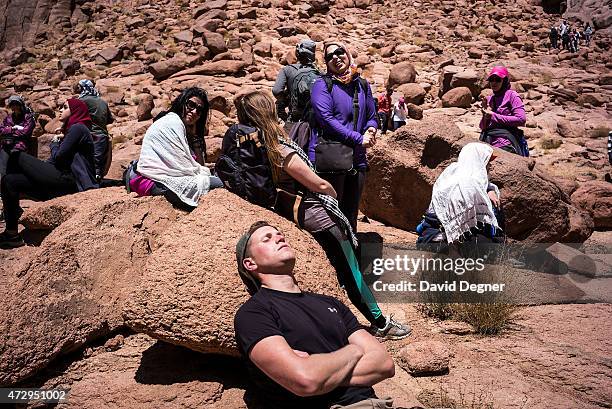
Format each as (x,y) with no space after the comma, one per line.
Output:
(70,169)
(464,204)
(173,154)
(303,350)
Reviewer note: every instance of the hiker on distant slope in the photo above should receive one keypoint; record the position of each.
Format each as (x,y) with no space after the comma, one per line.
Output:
(303,350)
(588,32)
(277,168)
(502,115)
(385,104)
(101,116)
(554,37)
(173,154)
(400,113)
(464,204)
(16,130)
(344,126)
(283,87)
(69,170)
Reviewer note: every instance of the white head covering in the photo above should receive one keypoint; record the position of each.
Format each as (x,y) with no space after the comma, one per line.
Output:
(459,198)
(165,157)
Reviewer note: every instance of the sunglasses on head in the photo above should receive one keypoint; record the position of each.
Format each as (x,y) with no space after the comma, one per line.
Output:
(338,53)
(495,79)
(194,106)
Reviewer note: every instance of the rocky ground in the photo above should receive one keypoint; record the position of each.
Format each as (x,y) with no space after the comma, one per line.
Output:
(436,54)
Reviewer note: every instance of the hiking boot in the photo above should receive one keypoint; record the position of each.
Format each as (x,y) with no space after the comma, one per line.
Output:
(10,241)
(392,331)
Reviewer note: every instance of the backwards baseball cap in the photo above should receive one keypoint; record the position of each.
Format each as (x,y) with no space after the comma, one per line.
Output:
(306,48)
(249,281)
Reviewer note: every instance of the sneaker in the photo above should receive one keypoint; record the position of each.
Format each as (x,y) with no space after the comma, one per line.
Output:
(11,241)
(392,331)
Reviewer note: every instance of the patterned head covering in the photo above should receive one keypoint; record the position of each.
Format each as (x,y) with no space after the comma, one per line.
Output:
(87,89)
(351,71)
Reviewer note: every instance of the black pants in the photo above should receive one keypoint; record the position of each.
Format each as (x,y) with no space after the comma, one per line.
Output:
(356,289)
(38,180)
(384,121)
(100,154)
(349,187)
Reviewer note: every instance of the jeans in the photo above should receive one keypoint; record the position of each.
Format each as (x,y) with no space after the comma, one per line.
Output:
(161,190)
(398,124)
(384,121)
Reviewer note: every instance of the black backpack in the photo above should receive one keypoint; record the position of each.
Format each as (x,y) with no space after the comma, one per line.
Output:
(300,133)
(244,167)
(299,102)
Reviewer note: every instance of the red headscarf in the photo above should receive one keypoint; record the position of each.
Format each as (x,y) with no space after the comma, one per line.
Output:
(79,114)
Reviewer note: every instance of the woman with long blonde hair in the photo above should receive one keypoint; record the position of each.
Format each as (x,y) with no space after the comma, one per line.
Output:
(315,200)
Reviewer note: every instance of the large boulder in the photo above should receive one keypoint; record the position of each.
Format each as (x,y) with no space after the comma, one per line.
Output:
(596,198)
(73,289)
(457,97)
(401,73)
(404,167)
(189,294)
(104,247)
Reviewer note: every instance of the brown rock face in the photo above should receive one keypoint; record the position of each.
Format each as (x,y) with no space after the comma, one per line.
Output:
(196,288)
(73,289)
(536,209)
(457,97)
(596,198)
(24,19)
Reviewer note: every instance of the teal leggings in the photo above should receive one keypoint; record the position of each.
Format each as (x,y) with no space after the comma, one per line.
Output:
(342,256)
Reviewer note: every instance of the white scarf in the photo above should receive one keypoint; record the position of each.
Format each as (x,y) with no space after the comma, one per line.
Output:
(459,198)
(165,157)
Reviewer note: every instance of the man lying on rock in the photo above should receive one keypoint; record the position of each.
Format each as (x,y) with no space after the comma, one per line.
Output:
(304,350)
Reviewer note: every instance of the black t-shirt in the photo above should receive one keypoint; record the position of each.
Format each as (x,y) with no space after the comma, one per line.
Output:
(309,322)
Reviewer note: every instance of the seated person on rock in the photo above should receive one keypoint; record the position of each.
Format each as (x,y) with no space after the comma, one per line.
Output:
(502,115)
(464,204)
(70,169)
(173,154)
(303,350)
(101,116)
(16,130)
(304,198)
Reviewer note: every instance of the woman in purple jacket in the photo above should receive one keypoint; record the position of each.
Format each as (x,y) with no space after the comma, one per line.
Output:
(502,114)
(332,99)
(16,130)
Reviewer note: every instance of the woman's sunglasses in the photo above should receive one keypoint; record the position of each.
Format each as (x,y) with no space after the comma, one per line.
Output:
(338,53)
(193,106)
(495,79)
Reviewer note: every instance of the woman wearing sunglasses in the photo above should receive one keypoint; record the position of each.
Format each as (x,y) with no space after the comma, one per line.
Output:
(173,153)
(70,169)
(344,125)
(502,114)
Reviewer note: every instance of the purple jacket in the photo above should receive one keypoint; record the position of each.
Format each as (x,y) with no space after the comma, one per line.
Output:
(508,111)
(16,140)
(333,113)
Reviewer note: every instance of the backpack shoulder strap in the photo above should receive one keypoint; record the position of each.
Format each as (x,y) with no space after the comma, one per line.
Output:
(328,82)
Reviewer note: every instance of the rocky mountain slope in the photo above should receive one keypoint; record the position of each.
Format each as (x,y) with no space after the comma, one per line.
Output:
(82,313)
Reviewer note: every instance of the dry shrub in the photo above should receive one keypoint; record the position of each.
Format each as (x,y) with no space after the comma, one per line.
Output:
(477,398)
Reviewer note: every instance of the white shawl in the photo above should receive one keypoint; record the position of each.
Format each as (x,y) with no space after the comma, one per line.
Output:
(165,157)
(459,198)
